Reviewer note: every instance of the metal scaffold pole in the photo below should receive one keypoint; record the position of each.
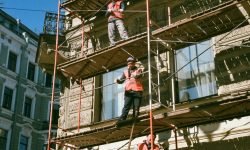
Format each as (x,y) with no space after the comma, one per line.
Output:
(54,77)
(149,73)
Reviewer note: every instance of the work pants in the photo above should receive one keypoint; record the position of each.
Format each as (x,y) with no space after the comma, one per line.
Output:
(120,27)
(131,98)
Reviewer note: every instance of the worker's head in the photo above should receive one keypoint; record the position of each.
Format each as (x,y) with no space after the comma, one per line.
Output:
(131,62)
(149,138)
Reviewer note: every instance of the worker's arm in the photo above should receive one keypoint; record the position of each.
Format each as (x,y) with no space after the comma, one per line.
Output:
(138,74)
(121,79)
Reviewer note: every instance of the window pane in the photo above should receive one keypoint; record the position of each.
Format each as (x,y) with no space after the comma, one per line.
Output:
(55,114)
(7,99)
(27,106)
(197,79)
(3,139)
(48,82)
(12,61)
(113,95)
(23,143)
(31,72)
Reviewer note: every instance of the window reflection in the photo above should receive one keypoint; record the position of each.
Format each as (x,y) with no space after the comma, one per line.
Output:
(113,94)
(197,79)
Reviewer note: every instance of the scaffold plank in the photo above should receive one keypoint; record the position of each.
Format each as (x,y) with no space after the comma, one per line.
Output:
(200,112)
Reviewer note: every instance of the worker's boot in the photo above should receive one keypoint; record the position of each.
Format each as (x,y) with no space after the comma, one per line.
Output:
(121,118)
(136,114)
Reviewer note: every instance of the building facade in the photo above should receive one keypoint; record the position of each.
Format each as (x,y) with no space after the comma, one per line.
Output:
(24,89)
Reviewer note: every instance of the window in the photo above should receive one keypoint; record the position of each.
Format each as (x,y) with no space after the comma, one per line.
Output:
(23,143)
(3,139)
(48,82)
(112,102)
(55,114)
(12,61)
(3,36)
(31,72)
(7,98)
(197,79)
(9,41)
(27,107)
(58,83)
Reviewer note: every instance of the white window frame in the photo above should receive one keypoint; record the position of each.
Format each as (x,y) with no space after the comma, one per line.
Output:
(31,94)
(26,131)
(35,72)
(11,85)
(49,102)
(30,107)
(17,61)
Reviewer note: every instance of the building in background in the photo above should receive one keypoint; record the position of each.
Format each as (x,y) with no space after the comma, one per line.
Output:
(25,90)
(200,74)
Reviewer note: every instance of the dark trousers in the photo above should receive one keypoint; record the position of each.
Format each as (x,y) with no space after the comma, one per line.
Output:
(131,98)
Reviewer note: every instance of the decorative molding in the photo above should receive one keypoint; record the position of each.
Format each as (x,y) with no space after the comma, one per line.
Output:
(234,87)
(86,117)
(235,38)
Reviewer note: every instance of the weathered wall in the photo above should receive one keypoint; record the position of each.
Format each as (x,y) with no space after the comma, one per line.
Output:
(232,65)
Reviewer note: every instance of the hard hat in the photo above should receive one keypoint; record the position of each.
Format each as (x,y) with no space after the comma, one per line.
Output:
(131,59)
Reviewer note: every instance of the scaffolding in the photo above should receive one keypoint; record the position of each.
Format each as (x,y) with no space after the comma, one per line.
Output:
(223,17)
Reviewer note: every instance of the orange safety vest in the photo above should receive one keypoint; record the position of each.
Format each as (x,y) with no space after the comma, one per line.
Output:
(116,6)
(143,146)
(132,84)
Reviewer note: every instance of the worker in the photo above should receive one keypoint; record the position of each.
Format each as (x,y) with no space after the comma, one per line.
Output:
(146,145)
(115,14)
(133,88)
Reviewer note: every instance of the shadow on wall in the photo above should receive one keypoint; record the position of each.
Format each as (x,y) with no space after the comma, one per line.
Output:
(208,129)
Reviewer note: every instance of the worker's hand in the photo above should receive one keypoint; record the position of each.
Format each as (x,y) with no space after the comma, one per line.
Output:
(114,9)
(140,70)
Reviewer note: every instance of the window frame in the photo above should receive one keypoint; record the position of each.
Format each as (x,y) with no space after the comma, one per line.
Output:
(20,142)
(112,108)
(4,138)
(30,107)
(46,82)
(30,76)
(49,106)
(194,78)
(3,100)
(9,61)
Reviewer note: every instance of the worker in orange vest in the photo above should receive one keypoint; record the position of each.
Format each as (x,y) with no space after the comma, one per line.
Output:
(146,145)
(133,88)
(115,16)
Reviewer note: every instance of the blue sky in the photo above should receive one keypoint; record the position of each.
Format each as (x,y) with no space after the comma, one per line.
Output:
(32,19)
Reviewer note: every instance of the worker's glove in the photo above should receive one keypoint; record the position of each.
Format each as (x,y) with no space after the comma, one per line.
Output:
(140,66)
(121,10)
(109,10)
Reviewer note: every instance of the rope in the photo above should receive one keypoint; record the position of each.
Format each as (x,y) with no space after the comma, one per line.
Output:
(103,86)
(126,11)
(76,10)
(26,9)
